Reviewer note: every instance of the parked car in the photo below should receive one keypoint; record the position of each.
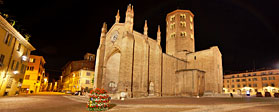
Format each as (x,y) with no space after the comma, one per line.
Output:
(78,92)
(267,94)
(259,94)
(276,95)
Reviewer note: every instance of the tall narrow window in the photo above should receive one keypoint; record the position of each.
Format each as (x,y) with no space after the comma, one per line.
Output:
(183,24)
(18,47)
(182,16)
(2,57)
(172,26)
(7,38)
(172,18)
(191,18)
(17,64)
(191,26)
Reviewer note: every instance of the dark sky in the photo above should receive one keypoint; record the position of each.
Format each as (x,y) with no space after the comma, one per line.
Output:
(246,31)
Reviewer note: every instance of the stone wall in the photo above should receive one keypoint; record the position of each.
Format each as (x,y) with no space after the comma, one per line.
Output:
(190,82)
(210,61)
(170,66)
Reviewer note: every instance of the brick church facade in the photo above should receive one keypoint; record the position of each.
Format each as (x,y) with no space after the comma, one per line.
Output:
(131,62)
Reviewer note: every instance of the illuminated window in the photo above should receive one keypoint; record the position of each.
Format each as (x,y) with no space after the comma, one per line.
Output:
(191,18)
(182,16)
(183,34)
(172,18)
(192,36)
(172,26)
(191,26)
(32,60)
(183,24)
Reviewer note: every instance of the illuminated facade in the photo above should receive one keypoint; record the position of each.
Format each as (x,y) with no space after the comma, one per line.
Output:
(34,75)
(78,75)
(252,82)
(14,54)
(132,62)
(79,80)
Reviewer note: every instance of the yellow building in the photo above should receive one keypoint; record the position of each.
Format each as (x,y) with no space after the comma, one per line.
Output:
(14,54)
(80,80)
(78,75)
(34,75)
(252,82)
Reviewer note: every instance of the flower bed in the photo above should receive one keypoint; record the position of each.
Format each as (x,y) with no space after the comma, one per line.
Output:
(98,100)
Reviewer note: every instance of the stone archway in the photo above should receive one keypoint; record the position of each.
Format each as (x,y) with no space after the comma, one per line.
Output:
(112,73)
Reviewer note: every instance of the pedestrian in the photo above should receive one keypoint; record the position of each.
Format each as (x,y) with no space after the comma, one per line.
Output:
(231,95)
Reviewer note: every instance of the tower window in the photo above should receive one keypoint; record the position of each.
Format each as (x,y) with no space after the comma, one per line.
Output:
(191,26)
(182,16)
(172,26)
(172,18)
(191,18)
(173,35)
(192,36)
(183,24)
(183,34)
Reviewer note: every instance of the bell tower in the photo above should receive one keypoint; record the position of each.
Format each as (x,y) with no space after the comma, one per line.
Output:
(180,33)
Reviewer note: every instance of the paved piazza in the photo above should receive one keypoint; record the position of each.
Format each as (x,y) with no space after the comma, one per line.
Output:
(166,104)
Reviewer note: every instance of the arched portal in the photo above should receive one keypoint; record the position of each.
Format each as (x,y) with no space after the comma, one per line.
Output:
(112,73)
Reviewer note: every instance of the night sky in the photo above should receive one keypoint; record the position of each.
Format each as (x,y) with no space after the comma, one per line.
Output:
(246,31)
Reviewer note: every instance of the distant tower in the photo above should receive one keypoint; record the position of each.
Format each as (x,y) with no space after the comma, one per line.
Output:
(180,33)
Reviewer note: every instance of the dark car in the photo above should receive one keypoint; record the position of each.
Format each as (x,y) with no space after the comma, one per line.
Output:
(267,94)
(78,92)
(259,94)
(276,95)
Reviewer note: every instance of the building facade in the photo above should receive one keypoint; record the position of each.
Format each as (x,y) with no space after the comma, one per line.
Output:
(252,82)
(34,76)
(14,53)
(131,62)
(78,75)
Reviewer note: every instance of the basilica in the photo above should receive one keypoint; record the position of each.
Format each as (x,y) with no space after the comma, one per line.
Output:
(133,63)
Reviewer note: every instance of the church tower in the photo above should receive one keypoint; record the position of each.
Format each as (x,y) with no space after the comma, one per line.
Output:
(180,33)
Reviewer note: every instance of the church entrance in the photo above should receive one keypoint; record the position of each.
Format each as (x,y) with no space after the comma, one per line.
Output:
(112,73)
